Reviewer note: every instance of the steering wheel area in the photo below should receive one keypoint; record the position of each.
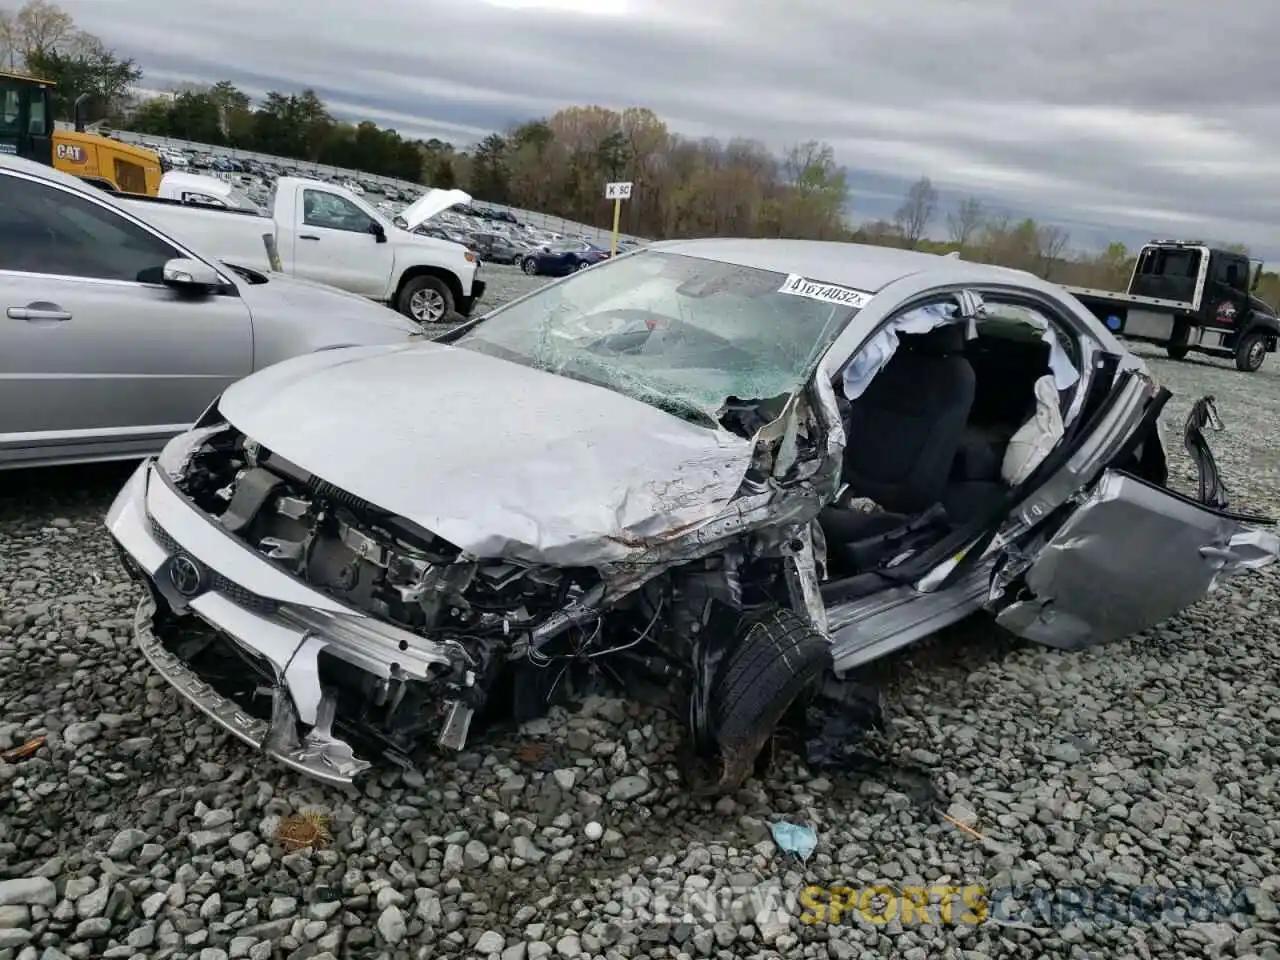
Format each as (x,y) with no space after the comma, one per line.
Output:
(640,327)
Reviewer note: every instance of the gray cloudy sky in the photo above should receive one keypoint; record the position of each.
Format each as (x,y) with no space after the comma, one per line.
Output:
(1159,116)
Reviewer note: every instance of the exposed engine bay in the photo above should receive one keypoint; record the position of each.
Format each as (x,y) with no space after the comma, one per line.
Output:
(371,560)
(527,628)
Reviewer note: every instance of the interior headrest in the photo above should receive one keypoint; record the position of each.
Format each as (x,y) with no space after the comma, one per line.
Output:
(940,341)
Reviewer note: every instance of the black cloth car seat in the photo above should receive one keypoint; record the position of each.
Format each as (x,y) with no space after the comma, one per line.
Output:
(901,440)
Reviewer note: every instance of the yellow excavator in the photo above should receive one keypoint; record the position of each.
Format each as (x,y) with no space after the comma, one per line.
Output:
(27,129)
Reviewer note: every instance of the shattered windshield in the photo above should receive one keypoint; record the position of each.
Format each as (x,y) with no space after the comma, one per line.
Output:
(682,333)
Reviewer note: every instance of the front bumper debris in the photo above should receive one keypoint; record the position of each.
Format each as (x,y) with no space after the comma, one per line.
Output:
(277,622)
(318,754)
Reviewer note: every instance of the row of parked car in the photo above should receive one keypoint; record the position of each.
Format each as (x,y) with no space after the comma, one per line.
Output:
(124,319)
(496,235)
(536,254)
(258,175)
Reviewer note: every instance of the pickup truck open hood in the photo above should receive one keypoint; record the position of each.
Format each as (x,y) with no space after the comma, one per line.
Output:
(499,459)
(431,203)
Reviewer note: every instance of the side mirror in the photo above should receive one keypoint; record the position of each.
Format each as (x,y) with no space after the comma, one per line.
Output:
(191,276)
(378,232)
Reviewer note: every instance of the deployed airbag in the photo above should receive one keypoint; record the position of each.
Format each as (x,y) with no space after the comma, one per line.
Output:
(877,351)
(1037,437)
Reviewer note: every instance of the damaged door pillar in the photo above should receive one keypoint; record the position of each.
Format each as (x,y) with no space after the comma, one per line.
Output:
(801,565)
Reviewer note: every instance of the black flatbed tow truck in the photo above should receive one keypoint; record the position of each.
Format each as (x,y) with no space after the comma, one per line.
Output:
(1190,297)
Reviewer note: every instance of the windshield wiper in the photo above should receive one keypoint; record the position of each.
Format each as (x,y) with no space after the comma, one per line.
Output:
(685,409)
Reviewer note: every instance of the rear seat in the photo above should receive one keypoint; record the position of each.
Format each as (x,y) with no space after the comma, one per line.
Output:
(1002,399)
(975,485)
(981,453)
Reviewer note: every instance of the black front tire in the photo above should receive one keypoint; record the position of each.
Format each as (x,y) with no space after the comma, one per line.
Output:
(1251,351)
(529,266)
(1178,346)
(777,658)
(417,292)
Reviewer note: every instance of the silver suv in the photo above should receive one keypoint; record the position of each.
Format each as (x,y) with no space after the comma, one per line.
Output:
(117,336)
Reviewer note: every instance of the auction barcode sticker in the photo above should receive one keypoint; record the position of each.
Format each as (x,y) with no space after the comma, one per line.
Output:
(798,286)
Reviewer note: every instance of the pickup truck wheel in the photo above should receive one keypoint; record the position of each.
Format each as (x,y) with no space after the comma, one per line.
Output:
(426,300)
(777,657)
(1251,351)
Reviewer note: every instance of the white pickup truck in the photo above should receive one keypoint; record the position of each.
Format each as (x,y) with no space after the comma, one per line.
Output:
(322,232)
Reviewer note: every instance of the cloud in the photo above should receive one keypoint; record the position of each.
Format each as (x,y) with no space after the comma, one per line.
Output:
(1151,115)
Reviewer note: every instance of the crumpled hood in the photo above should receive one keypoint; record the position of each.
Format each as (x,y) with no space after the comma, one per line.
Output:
(304,297)
(499,459)
(431,203)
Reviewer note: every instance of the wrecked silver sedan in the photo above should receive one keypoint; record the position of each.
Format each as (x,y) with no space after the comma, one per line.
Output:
(731,470)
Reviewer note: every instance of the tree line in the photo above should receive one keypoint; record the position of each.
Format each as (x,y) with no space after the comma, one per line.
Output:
(986,234)
(294,125)
(559,165)
(43,40)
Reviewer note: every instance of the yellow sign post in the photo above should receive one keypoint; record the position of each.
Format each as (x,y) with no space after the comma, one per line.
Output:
(617,192)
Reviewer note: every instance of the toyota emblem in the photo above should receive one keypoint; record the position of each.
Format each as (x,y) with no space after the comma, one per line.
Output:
(185,575)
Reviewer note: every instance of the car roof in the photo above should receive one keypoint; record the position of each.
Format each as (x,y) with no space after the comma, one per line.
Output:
(861,266)
(32,169)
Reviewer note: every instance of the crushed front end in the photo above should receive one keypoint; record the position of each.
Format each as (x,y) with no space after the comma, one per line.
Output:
(308,623)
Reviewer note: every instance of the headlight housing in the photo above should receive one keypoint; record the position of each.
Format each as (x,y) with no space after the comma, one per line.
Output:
(176,456)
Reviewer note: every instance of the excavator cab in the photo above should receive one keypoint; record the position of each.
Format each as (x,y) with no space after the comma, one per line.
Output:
(26,117)
(27,129)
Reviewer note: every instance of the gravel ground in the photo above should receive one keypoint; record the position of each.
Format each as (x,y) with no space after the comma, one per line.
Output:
(506,283)
(138,830)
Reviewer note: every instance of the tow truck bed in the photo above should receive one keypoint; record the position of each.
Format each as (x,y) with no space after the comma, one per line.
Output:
(1203,302)
(1111,296)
